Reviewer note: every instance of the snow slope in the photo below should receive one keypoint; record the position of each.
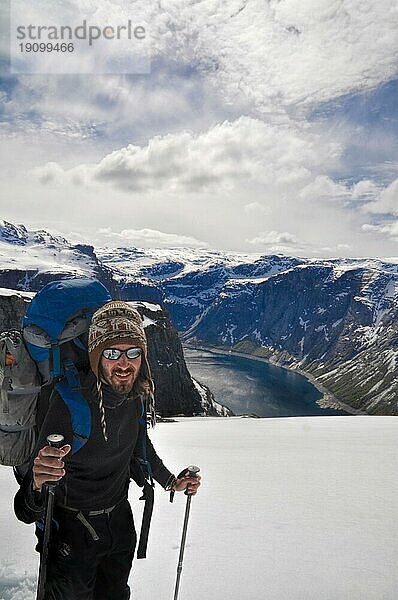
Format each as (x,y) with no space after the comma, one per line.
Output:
(39,250)
(290,509)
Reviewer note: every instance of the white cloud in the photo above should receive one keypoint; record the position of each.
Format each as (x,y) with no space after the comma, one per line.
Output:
(284,242)
(365,189)
(256,207)
(274,237)
(389,230)
(285,157)
(169,151)
(147,238)
(51,173)
(324,188)
(386,202)
(344,247)
(238,179)
(295,52)
(368,227)
(279,242)
(255,57)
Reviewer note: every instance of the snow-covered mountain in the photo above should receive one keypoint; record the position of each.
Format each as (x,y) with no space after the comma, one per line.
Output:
(30,259)
(336,320)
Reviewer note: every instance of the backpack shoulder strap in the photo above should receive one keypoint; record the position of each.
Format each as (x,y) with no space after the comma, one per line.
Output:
(70,391)
(141,444)
(148,493)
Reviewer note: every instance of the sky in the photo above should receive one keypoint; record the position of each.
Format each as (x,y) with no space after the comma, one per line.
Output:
(260,126)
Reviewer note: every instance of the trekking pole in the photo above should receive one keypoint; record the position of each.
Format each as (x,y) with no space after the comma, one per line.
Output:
(192,472)
(56,440)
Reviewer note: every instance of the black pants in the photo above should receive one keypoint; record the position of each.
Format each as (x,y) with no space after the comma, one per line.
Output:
(80,568)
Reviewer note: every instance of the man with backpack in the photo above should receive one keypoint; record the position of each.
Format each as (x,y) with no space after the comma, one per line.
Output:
(93,537)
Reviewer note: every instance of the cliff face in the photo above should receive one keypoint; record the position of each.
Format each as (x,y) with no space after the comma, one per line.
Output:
(175,391)
(340,326)
(12,308)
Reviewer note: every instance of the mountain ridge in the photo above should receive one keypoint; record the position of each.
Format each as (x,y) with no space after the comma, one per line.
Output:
(333,319)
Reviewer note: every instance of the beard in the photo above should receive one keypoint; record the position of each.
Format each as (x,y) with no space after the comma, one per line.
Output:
(121,381)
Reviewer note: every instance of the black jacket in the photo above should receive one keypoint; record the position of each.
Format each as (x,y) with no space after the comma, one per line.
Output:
(98,475)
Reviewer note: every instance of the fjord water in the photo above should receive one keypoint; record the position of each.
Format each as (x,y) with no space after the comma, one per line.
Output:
(248,386)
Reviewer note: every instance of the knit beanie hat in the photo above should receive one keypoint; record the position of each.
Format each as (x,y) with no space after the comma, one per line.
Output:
(117,322)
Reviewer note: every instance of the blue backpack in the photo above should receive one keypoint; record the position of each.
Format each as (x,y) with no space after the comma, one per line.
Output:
(59,313)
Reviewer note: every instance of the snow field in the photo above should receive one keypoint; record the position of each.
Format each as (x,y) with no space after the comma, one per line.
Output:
(301,508)
(290,509)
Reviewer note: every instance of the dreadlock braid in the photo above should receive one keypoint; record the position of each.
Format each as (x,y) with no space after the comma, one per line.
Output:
(101,409)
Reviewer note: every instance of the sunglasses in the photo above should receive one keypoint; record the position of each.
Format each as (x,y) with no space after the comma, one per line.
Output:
(115,353)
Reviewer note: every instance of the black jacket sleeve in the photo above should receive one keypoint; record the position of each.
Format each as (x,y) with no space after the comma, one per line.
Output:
(29,505)
(160,473)
(146,451)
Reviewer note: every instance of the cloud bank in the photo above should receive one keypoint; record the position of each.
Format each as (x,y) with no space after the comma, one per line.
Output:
(229,153)
(147,238)
(261,58)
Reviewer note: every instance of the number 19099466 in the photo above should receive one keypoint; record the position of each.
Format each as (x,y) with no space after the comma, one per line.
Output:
(46,47)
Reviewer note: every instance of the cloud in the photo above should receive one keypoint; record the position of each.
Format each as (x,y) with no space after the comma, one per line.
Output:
(212,59)
(171,151)
(274,237)
(279,242)
(51,173)
(288,162)
(324,188)
(239,179)
(389,230)
(256,207)
(365,190)
(292,53)
(219,158)
(147,238)
(284,242)
(385,202)
(106,108)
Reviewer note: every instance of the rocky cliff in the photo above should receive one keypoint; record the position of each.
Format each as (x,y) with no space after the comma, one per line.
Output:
(339,325)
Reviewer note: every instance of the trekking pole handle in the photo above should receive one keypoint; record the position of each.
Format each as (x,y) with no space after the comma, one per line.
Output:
(56,440)
(192,472)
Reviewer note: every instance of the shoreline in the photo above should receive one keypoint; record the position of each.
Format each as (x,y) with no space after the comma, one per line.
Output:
(326,401)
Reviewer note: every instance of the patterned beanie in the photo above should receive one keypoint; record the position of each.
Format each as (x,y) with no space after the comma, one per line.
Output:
(114,323)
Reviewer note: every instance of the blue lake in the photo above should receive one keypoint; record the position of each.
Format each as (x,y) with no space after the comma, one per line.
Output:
(251,386)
